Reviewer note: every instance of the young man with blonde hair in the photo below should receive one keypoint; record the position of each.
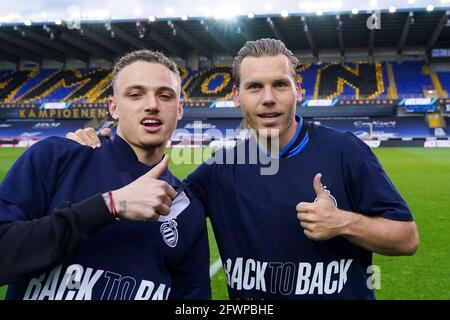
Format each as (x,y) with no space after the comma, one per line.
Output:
(79,223)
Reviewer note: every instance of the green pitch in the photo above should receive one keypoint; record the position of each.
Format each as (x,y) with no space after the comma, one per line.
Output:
(422,177)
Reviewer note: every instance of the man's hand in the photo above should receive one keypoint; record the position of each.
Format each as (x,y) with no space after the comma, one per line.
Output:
(321,220)
(88,136)
(146,198)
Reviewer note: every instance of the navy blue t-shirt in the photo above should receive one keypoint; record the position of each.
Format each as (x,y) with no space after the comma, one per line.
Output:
(123,260)
(264,250)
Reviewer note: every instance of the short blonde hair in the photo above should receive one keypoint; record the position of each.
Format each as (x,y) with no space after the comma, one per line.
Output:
(263,47)
(143,55)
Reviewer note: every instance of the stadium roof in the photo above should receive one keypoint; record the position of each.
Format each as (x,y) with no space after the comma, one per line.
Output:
(43,10)
(303,33)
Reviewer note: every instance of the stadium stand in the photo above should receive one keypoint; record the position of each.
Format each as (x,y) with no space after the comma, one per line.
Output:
(444,79)
(11,82)
(326,81)
(208,129)
(361,80)
(67,85)
(382,128)
(33,82)
(211,84)
(34,130)
(307,77)
(410,78)
(345,84)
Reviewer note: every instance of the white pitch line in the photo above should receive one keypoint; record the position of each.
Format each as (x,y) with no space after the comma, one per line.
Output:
(215,267)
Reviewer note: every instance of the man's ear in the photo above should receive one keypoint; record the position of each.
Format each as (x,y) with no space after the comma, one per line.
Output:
(180,110)
(236,97)
(113,108)
(299,92)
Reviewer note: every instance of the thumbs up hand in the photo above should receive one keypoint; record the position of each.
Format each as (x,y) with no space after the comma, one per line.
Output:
(319,189)
(321,219)
(146,198)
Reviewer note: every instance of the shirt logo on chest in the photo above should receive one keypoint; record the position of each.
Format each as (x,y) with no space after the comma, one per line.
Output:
(169,233)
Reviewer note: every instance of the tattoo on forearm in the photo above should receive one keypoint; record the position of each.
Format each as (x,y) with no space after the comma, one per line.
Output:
(122,207)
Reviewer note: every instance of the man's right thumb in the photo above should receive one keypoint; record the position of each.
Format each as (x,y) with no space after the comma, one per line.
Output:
(159,168)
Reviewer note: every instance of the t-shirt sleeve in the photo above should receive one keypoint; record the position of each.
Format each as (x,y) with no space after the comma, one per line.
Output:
(198,182)
(30,182)
(191,279)
(31,238)
(28,247)
(372,191)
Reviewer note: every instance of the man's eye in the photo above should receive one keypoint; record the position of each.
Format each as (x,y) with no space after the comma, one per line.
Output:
(280,84)
(165,97)
(254,86)
(134,95)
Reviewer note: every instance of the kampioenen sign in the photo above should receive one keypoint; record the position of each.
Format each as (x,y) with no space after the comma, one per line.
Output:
(70,113)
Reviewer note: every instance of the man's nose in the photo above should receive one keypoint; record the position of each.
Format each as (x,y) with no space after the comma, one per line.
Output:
(268,97)
(151,104)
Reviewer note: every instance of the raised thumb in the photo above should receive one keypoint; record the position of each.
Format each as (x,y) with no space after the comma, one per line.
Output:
(318,187)
(159,168)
